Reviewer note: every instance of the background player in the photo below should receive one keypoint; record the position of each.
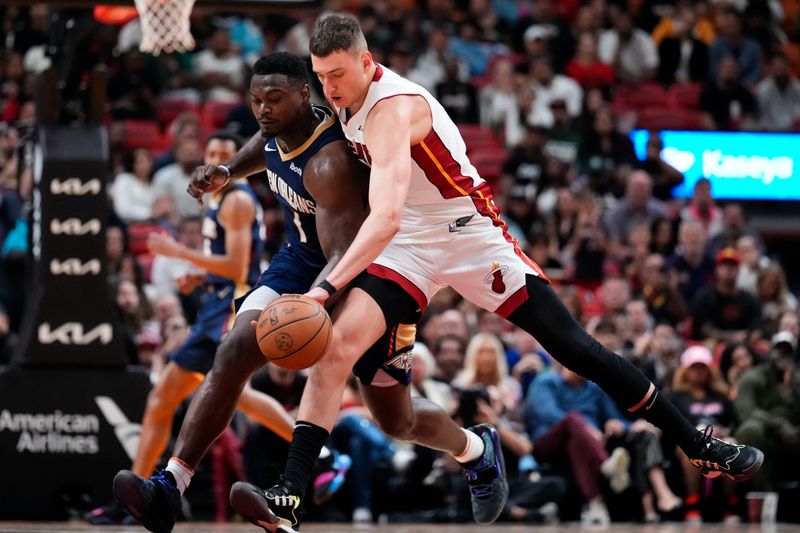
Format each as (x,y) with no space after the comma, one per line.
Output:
(433,223)
(322,192)
(233,245)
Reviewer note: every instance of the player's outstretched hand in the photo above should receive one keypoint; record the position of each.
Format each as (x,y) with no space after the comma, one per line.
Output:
(206,179)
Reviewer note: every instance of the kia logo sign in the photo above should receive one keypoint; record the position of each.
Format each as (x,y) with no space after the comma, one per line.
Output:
(74,267)
(74,226)
(75,187)
(72,333)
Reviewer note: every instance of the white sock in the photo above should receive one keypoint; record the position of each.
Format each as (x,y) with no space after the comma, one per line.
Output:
(324,452)
(181,472)
(473,450)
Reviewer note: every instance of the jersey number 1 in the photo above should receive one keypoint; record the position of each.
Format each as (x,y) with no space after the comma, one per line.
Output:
(302,233)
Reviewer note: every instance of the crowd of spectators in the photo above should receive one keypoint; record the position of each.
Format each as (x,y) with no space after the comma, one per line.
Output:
(544,93)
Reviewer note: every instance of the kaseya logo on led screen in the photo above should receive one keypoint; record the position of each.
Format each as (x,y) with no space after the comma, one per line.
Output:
(740,165)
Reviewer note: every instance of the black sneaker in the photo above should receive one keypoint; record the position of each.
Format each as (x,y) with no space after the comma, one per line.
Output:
(737,461)
(154,502)
(329,474)
(487,480)
(275,509)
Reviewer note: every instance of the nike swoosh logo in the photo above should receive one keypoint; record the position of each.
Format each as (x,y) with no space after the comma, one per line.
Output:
(268,149)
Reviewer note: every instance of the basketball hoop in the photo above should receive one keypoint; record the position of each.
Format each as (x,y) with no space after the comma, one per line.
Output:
(165,25)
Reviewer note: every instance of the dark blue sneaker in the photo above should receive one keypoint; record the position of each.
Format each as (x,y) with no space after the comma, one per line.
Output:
(487,480)
(112,514)
(329,475)
(154,502)
(275,510)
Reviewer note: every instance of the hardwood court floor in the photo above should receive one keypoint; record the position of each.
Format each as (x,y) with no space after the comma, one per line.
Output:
(201,527)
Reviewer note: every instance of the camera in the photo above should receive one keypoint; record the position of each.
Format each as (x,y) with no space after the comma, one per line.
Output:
(468,403)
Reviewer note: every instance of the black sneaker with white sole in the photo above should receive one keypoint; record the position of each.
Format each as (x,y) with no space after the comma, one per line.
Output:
(276,509)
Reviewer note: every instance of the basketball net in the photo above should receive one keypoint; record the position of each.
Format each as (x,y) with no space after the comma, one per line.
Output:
(165,25)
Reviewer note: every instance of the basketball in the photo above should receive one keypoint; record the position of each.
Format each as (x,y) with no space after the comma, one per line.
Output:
(293,331)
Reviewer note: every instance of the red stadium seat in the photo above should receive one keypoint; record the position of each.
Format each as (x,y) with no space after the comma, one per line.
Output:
(169,109)
(489,163)
(669,119)
(138,236)
(477,137)
(686,95)
(641,96)
(215,113)
(142,134)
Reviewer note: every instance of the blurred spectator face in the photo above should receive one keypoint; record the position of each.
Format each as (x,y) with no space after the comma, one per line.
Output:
(603,122)
(486,359)
(639,189)
(14,67)
(503,74)
(683,23)
(400,59)
(692,238)
(639,238)
(728,24)
(449,358)
(489,322)
(115,244)
(606,334)
(166,307)
(451,69)
(220,42)
(142,162)
(187,154)
(779,67)
(741,360)
(636,315)
(127,297)
(665,341)
(790,322)
(733,217)
(453,322)
(616,292)
(587,47)
(748,250)
(219,151)
(437,40)
(726,273)
(702,194)
(654,148)
(542,71)
(662,234)
(594,102)
(698,375)
(624,25)
(585,21)
(769,284)
(566,205)
(175,325)
(728,71)
(190,234)
(654,272)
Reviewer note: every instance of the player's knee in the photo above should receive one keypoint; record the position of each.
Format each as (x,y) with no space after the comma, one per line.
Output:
(239,350)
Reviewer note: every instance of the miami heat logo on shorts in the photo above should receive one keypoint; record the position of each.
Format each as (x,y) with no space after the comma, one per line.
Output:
(495,278)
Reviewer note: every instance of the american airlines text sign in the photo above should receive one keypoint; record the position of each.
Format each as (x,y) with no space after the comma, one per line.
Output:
(72,333)
(75,186)
(74,226)
(75,267)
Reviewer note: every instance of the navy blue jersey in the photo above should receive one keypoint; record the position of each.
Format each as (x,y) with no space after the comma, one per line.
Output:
(214,234)
(285,173)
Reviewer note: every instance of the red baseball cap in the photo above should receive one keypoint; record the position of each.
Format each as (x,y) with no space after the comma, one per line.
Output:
(729,254)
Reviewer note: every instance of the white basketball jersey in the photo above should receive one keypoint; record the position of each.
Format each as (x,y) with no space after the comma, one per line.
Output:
(444,187)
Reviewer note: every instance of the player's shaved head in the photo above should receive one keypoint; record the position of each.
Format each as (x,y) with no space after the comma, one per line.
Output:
(337,33)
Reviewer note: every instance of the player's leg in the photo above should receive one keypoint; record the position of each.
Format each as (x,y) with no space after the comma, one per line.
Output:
(155,502)
(175,384)
(358,323)
(543,315)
